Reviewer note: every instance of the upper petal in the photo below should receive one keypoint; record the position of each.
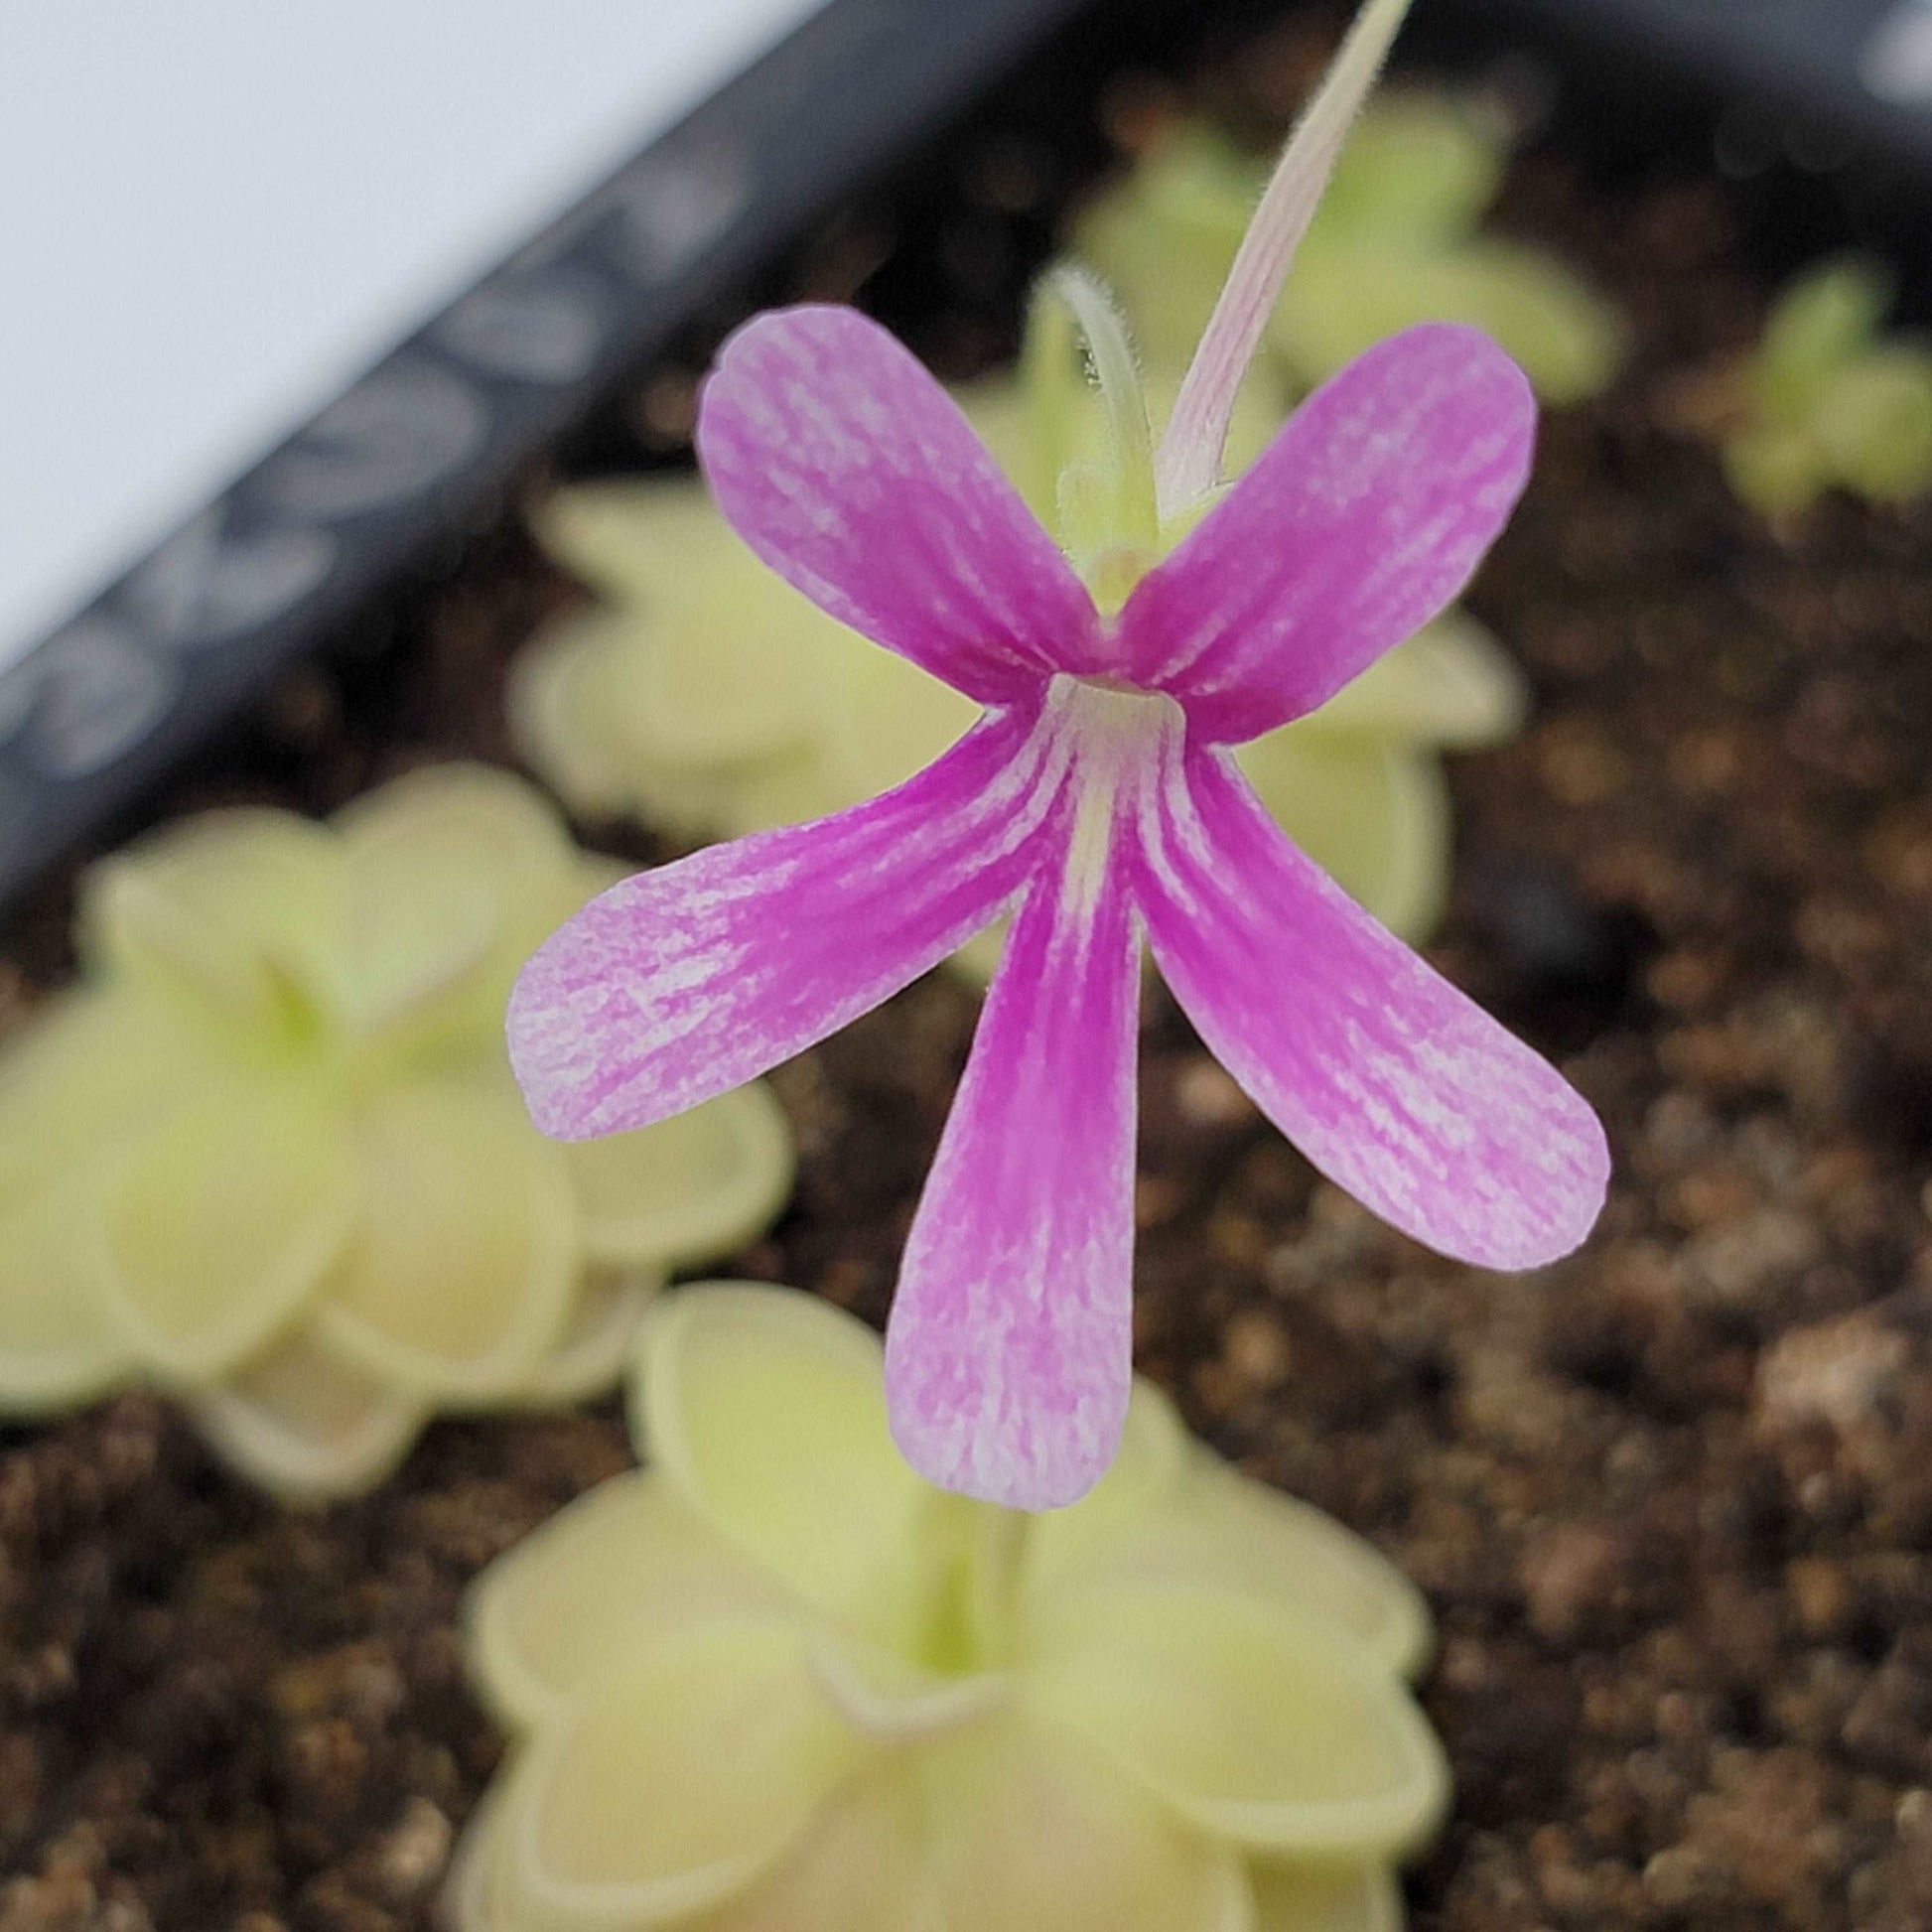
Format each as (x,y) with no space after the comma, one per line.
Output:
(854,475)
(681,983)
(1367,513)
(1396,1086)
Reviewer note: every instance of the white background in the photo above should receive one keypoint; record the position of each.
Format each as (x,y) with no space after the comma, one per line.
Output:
(214,213)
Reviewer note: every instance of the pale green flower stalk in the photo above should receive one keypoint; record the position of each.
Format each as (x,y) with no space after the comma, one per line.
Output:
(1396,241)
(1829,400)
(706,696)
(267,1153)
(775,1682)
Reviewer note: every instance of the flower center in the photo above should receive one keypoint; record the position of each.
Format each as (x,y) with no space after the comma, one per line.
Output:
(1114,736)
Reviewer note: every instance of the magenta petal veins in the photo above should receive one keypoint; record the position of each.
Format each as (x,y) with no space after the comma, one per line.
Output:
(1396,1086)
(1362,522)
(852,472)
(682,983)
(1009,1357)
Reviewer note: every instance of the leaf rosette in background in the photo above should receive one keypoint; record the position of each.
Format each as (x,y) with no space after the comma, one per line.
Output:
(1397,241)
(775,1682)
(1830,399)
(267,1152)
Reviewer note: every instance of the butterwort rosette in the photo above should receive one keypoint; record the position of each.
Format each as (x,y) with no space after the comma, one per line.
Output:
(773,1682)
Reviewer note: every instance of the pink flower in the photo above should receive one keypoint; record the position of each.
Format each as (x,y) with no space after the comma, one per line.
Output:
(1098,802)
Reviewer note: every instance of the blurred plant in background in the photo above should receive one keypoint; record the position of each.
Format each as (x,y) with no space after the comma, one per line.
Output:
(1395,242)
(706,696)
(268,1154)
(777,1683)
(1828,400)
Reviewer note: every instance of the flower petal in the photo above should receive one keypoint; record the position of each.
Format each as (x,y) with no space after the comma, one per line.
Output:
(763,1408)
(693,1186)
(458,1281)
(1373,815)
(1396,1086)
(1009,1355)
(1365,516)
(1260,1724)
(682,983)
(306,1426)
(220,1223)
(665,1789)
(854,475)
(1309,1897)
(605,1582)
(1034,1831)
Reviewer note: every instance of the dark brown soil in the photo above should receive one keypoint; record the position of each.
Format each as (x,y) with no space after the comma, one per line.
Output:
(1672,1502)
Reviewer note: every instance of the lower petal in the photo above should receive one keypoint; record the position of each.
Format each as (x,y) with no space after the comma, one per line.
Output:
(1261,1725)
(1034,1831)
(682,983)
(1396,1086)
(692,1187)
(1009,1355)
(459,1279)
(670,1787)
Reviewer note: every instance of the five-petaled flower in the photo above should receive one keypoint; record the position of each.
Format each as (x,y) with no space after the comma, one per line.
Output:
(1098,802)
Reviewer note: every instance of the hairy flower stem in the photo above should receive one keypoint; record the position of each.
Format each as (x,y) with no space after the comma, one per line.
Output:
(1189,463)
